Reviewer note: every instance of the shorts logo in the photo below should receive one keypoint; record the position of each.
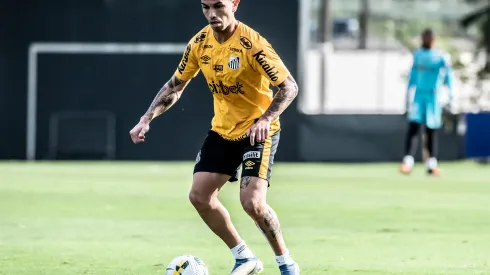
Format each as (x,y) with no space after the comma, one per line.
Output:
(251,155)
(234,62)
(245,42)
(205,59)
(198,158)
(249,165)
(218,68)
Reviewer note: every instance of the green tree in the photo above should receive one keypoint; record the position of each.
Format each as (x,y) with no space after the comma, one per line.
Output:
(481,19)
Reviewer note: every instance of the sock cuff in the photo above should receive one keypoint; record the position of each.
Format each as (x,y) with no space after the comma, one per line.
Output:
(285,259)
(242,251)
(240,244)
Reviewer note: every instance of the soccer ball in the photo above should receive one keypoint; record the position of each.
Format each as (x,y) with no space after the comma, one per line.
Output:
(187,265)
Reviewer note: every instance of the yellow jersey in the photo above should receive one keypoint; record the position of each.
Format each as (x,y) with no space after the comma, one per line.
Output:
(238,73)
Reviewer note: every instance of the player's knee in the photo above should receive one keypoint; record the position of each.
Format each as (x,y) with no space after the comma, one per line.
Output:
(254,207)
(199,200)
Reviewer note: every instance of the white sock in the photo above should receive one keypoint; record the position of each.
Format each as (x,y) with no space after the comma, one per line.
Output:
(409,161)
(285,259)
(431,163)
(241,251)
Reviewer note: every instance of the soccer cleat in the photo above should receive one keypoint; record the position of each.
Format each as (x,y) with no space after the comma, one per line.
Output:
(405,169)
(292,269)
(434,172)
(248,266)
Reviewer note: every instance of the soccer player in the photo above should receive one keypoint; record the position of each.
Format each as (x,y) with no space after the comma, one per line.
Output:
(430,70)
(239,65)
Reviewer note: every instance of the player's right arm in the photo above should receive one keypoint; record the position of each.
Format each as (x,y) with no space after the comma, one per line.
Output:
(412,80)
(169,94)
(412,77)
(449,77)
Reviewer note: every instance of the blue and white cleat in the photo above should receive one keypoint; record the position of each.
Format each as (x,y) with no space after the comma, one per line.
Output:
(292,269)
(248,266)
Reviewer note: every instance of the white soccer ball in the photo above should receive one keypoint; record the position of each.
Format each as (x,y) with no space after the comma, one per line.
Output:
(187,265)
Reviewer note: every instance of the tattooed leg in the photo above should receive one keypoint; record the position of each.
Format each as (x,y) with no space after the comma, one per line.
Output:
(253,198)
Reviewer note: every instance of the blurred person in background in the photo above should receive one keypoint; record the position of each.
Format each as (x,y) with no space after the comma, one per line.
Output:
(430,70)
(239,65)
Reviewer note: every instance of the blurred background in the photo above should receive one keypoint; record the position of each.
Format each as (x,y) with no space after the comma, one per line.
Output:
(76,76)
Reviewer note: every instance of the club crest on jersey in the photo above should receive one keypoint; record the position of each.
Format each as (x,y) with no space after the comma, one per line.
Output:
(234,62)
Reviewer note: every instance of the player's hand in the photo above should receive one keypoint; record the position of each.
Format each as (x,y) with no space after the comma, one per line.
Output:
(448,106)
(408,107)
(138,132)
(447,109)
(259,131)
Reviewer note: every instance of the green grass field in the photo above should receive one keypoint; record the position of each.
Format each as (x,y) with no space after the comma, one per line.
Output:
(133,218)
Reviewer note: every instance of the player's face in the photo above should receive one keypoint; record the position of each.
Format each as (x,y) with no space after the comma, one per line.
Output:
(219,13)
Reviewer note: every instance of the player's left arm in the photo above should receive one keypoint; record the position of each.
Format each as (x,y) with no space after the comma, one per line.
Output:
(267,62)
(449,77)
(288,90)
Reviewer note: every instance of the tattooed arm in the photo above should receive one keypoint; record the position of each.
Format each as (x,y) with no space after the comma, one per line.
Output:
(165,98)
(288,90)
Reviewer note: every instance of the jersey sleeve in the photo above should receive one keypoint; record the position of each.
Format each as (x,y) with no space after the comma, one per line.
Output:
(188,67)
(448,79)
(412,77)
(267,62)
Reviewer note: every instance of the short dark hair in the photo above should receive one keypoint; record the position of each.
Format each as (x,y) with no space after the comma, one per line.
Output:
(427,31)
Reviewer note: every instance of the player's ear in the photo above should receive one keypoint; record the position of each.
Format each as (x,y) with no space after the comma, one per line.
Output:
(235,4)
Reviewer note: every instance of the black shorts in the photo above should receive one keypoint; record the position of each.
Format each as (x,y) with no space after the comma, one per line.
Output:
(218,155)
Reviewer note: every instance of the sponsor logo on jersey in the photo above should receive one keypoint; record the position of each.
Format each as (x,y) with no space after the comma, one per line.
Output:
(234,62)
(205,59)
(218,68)
(272,72)
(235,50)
(245,42)
(185,60)
(220,88)
(251,155)
(207,46)
(200,38)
